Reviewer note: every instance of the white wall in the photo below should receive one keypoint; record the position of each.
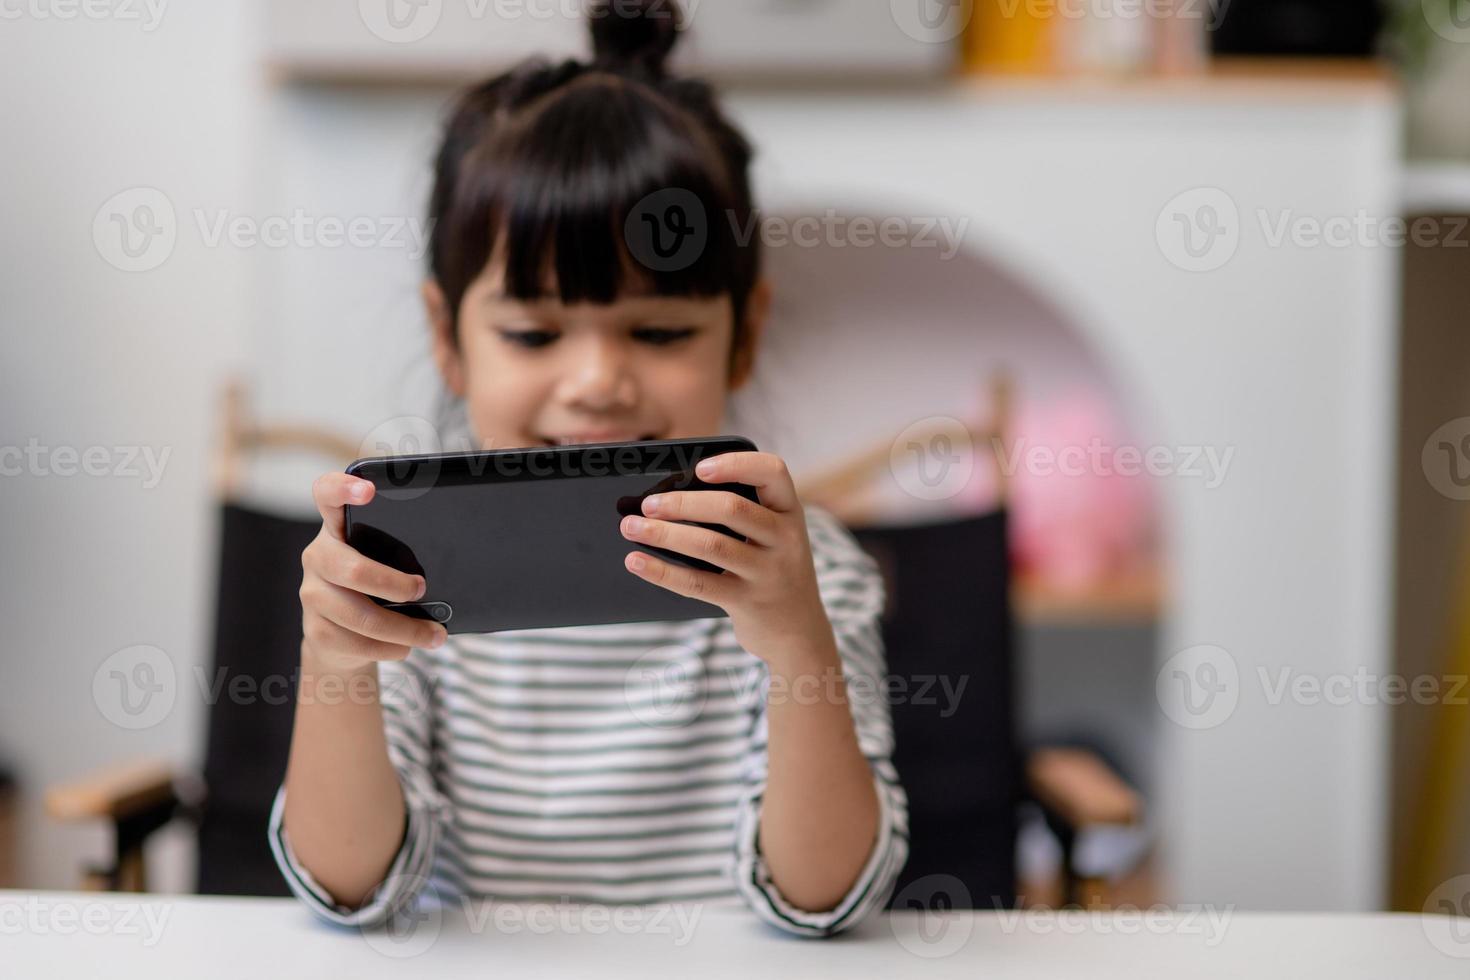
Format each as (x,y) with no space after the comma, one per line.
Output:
(99,357)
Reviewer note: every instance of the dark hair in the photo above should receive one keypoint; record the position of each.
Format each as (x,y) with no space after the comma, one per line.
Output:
(548,161)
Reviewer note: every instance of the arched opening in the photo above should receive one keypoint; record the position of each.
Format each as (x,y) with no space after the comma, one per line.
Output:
(867,341)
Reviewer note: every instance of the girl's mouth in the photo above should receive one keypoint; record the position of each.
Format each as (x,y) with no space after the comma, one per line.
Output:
(582,439)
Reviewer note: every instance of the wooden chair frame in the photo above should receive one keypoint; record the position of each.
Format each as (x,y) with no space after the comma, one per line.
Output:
(1075,787)
(139,797)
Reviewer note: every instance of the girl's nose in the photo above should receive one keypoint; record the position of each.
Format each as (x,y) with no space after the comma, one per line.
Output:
(600,379)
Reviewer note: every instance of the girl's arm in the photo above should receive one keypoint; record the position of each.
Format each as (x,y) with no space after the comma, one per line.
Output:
(819,819)
(832,816)
(344,810)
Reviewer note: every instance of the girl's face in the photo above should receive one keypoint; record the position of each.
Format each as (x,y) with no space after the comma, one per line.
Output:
(535,373)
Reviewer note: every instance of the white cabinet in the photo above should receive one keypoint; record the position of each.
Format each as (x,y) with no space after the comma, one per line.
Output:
(452,39)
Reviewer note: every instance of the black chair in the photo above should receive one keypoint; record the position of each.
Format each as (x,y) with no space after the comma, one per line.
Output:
(256,652)
(257,637)
(948,616)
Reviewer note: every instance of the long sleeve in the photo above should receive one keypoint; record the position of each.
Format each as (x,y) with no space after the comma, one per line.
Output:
(852,593)
(405,688)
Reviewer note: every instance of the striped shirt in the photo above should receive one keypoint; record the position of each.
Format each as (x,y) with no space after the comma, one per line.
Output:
(614,764)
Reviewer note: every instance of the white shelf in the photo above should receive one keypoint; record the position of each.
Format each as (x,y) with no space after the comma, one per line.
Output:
(1226,80)
(451,43)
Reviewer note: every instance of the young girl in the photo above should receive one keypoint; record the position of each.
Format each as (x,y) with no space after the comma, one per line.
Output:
(540,764)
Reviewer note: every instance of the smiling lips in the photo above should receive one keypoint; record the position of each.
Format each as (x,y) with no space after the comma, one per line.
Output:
(584,438)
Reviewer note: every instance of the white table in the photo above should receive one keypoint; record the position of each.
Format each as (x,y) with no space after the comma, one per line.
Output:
(62,934)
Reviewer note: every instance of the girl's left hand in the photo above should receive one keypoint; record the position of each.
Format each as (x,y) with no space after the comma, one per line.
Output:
(769,587)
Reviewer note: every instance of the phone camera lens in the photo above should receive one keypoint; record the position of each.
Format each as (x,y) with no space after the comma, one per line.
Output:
(440,612)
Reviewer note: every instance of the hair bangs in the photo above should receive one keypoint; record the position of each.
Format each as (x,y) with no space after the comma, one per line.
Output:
(581,199)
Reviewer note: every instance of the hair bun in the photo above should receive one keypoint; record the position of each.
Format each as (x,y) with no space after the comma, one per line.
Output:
(634,33)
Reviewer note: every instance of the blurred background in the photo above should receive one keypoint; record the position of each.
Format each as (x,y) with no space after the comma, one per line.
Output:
(1178,286)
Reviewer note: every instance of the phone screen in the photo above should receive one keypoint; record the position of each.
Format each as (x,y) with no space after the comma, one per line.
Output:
(525,553)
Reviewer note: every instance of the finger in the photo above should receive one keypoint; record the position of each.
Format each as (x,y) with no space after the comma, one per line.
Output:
(696,542)
(358,614)
(764,471)
(341,564)
(691,582)
(739,514)
(333,491)
(324,634)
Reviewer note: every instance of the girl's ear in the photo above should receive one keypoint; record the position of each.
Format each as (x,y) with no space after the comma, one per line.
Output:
(742,358)
(441,327)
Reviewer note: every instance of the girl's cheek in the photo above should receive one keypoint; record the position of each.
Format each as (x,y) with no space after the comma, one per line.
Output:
(501,400)
(698,395)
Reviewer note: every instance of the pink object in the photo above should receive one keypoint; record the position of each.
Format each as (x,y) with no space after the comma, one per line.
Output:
(1075,520)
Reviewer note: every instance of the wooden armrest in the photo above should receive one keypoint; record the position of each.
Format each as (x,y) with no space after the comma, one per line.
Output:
(1081,788)
(240,436)
(114,792)
(851,477)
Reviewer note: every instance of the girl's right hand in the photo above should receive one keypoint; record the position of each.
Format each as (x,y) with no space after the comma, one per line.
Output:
(342,628)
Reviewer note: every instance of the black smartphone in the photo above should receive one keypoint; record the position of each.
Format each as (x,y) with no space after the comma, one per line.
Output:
(529,538)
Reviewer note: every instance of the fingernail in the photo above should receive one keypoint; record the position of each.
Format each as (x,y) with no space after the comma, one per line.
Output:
(423,587)
(438,640)
(650,504)
(358,490)
(633,524)
(636,562)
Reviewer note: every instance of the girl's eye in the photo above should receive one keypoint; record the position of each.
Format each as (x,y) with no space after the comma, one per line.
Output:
(660,336)
(529,338)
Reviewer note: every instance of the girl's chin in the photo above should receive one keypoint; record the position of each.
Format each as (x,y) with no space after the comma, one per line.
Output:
(582,441)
